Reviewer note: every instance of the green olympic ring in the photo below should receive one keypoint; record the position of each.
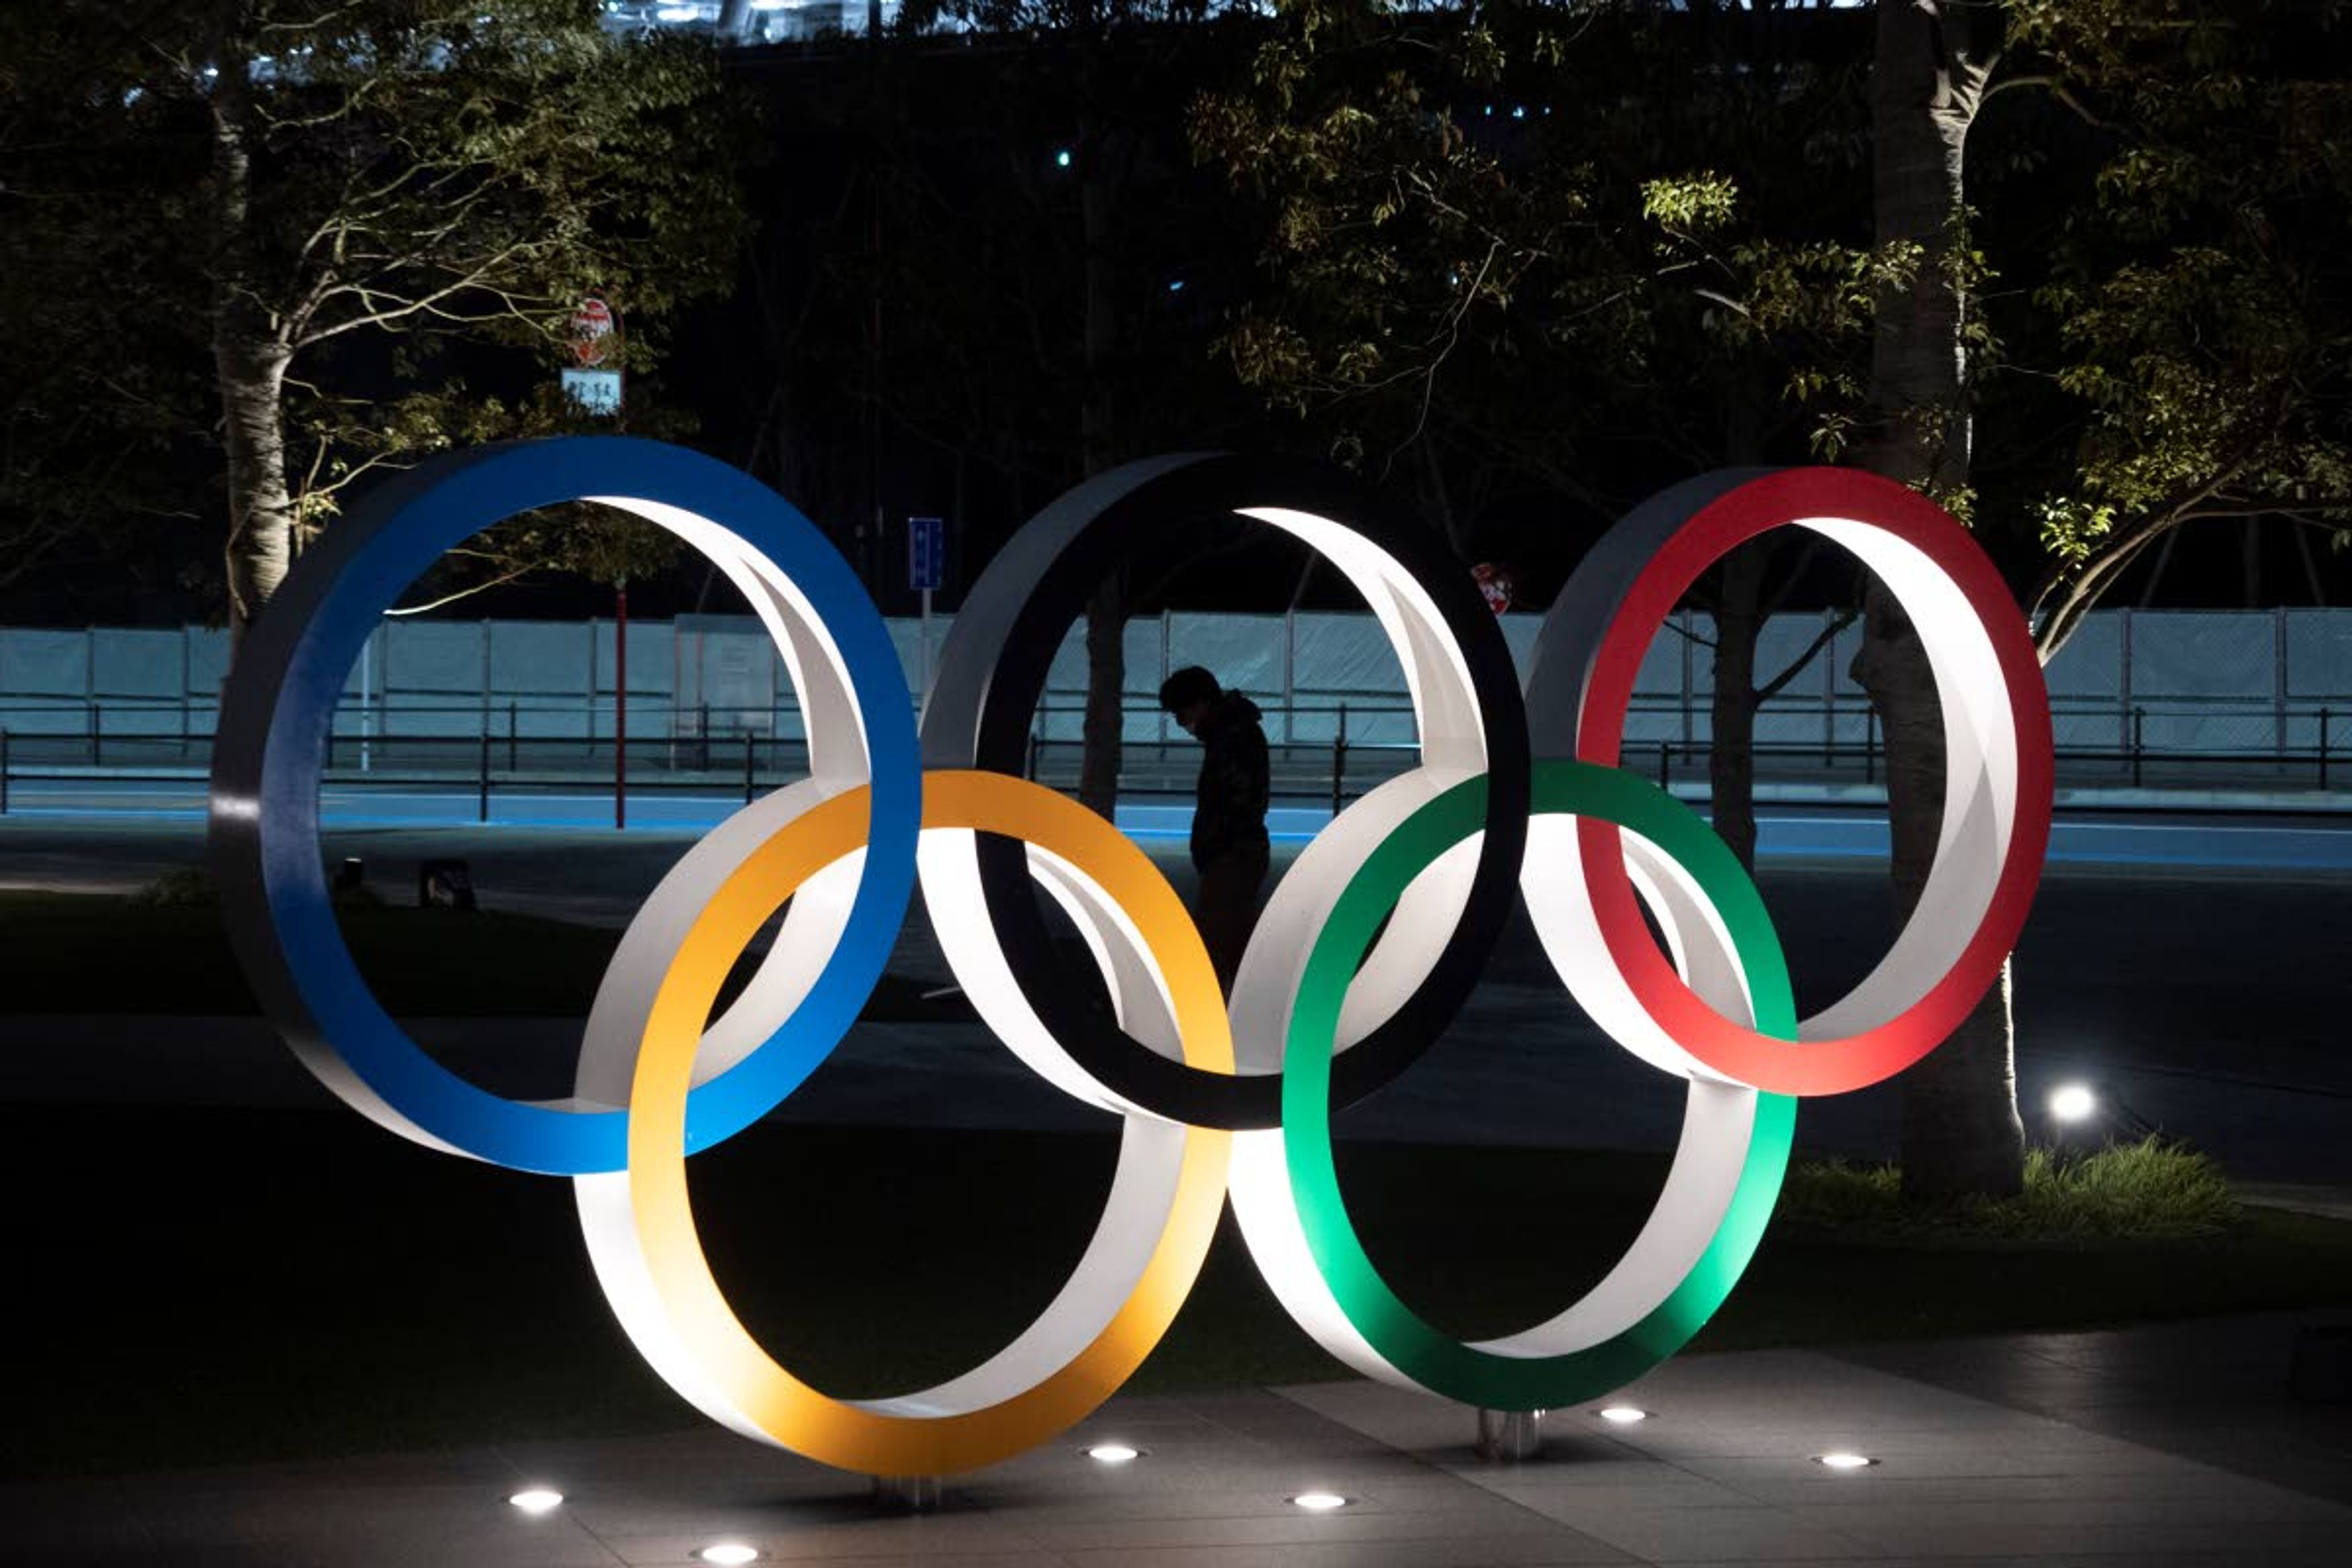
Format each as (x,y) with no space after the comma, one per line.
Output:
(1486,1374)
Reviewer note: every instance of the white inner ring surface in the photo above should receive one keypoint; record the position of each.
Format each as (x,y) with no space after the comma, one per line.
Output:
(812,927)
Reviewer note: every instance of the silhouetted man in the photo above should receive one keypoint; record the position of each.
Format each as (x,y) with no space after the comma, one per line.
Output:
(1229,845)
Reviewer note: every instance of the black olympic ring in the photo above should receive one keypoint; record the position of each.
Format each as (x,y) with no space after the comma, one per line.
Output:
(991,671)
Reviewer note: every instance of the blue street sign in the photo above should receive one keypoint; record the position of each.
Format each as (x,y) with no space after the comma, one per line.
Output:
(926,553)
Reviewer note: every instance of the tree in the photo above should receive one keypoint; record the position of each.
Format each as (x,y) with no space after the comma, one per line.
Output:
(100,408)
(2201,303)
(1006,278)
(2195,316)
(342,193)
(1490,270)
(1765,263)
(1961,1132)
(1103,41)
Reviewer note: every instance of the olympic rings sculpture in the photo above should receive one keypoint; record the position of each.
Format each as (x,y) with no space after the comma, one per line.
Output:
(1372,941)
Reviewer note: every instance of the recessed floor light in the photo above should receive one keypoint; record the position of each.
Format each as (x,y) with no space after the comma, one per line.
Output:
(1318,1502)
(727,1554)
(1113,1453)
(537,1500)
(1624,1415)
(1844,1461)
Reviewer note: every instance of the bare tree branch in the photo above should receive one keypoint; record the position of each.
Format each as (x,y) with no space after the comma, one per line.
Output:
(1822,639)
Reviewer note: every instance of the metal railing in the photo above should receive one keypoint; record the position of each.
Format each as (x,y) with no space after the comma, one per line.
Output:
(714,752)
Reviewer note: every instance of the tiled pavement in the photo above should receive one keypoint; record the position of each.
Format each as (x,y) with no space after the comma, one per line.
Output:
(2153,1448)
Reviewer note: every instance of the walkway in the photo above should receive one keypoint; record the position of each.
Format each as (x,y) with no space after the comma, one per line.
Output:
(2172,1448)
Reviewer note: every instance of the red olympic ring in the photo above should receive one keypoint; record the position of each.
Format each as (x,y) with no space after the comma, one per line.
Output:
(1856,504)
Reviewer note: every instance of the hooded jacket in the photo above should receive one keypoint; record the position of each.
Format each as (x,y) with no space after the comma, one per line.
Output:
(1228,800)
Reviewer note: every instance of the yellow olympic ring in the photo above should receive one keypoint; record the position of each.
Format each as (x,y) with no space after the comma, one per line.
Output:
(662,1283)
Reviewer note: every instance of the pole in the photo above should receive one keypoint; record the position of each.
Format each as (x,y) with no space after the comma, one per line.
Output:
(621,704)
(1339,759)
(2137,716)
(367,699)
(4,774)
(2323,756)
(187,676)
(482,781)
(2279,679)
(1828,690)
(923,693)
(746,768)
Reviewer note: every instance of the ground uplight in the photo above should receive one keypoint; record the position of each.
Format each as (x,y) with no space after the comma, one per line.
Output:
(1113,1453)
(727,1554)
(1844,1461)
(1318,1502)
(1624,1415)
(2072,1103)
(537,1500)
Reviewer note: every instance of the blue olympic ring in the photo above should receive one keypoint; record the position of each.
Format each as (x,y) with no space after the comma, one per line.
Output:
(274,731)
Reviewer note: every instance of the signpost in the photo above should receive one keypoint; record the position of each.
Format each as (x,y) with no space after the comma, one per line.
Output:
(927,566)
(591,331)
(593,391)
(594,333)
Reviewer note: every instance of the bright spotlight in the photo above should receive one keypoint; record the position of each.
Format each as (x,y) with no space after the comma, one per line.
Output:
(728,1554)
(1624,1415)
(1318,1502)
(537,1500)
(1844,1461)
(2072,1103)
(1112,1453)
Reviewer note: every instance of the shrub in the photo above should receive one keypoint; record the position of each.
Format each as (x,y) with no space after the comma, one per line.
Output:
(188,887)
(2152,1188)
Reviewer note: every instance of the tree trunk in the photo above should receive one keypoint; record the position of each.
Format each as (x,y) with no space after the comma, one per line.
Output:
(1103,735)
(1961,1133)
(1731,751)
(251,377)
(1738,620)
(249,360)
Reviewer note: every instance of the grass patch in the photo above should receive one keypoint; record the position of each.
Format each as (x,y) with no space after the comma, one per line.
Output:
(2151,1190)
(217,1285)
(163,950)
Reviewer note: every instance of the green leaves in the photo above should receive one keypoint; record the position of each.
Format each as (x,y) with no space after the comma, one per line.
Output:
(1539,250)
(296,182)
(2196,295)
(1692,205)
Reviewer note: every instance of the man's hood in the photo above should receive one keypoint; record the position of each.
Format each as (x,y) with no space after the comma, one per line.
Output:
(1232,709)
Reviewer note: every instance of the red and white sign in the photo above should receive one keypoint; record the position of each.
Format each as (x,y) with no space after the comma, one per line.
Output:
(592,331)
(1494,583)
